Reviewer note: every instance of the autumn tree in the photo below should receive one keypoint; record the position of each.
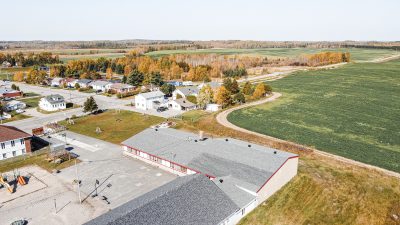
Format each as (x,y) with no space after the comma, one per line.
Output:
(18,76)
(109,73)
(239,98)
(223,97)
(205,96)
(261,90)
(247,88)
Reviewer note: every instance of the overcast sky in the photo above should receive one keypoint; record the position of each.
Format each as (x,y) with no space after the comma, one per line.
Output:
(200,19)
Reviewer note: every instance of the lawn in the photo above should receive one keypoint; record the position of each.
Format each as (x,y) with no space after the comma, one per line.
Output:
(115,127)
(352,111)
(325,191)
(31,102)
(357,54)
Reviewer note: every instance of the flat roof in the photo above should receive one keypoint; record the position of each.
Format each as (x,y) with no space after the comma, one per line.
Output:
(248,165)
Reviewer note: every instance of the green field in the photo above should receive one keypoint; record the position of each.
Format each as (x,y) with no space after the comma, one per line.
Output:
(115,127)
(357,54)
(353,112)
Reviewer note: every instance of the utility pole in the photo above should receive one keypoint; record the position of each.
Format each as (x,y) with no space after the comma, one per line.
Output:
(78,183)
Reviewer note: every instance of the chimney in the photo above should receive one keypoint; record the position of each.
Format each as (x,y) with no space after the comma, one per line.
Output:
(201,135)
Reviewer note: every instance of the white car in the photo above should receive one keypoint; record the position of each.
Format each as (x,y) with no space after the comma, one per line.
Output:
(19,111)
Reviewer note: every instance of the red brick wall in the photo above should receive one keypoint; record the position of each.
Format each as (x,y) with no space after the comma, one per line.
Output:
(28,147)
(13,94)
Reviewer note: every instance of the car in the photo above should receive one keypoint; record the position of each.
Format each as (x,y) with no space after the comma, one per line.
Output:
(162,109)
(19,111)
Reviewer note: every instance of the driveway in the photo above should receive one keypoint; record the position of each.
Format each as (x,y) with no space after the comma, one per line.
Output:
(120,178)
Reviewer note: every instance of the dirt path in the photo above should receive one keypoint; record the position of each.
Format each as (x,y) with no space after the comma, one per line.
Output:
(222,119)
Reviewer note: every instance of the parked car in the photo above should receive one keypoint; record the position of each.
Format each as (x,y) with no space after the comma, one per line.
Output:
(162,109)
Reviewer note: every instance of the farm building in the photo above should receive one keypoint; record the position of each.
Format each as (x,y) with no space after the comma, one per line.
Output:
(247,173)
(149,100)
(52,103)
(13,142)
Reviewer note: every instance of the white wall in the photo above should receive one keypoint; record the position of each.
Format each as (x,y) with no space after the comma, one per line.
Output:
(145,104)
(45,105)
(7,150)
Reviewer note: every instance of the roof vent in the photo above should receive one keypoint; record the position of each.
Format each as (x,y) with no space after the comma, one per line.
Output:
(226,139)
(221,181)
(249,146)
(195,140)
(274,152)
(156,129)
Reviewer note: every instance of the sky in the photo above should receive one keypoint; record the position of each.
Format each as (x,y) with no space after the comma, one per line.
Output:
(270,20)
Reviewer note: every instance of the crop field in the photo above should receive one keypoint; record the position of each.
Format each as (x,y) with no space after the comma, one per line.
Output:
(357,54)
(352,111)
(66,58)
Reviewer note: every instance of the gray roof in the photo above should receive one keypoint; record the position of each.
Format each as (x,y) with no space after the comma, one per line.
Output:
(213,84)
(99,83)
(84,81)
(152,94)
(192,199)
(243,166)
(190,90)
(55,98)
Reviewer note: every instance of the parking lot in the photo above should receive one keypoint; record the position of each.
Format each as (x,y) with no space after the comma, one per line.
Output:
(120,179)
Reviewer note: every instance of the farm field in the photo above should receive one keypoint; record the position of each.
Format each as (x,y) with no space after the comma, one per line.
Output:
(66,58)
(352,111)
(357,54)
(115,127)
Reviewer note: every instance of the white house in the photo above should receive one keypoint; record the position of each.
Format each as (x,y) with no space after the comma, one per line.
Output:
(71,82)
(185,92)
(99,85)
(56,82)
(52,103)
(13,142)
(149,100)
(213,107)
(181,105)
(14,105)
(84,83)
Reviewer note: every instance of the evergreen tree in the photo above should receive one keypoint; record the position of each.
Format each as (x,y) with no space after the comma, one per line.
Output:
(227,84)
(90,105)
(124,79)
(135,78)
(247,89)
(234,87)
(167,89)
(239,98)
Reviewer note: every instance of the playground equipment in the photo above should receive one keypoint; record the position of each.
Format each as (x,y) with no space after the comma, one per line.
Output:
(5,184)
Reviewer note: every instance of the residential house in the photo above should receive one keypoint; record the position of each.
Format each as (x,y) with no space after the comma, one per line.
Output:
(9,93)
(184,92)
(149,100)
(120,88)
(247,173)
(84,83)
(150,87)
(71,82)
(13,142)
(14,105)
(52,103)
(181,105)
(6,64)
(99,85)
(57,82)
(175,83)
(191,199)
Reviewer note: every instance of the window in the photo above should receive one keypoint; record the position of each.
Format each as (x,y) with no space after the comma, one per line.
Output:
(243,211)
(12,143)
(4,155)
(22,141)
(14,153)
(3,145)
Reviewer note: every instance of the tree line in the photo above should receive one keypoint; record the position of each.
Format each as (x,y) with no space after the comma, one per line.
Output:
(29,59)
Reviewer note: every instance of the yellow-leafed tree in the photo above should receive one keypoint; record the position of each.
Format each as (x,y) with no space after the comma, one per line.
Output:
(109,73)
(19,76)
(260,91)
(223,97)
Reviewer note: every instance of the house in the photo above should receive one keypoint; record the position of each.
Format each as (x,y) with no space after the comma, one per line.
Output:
(149,100)
(120,88)
(83,83)
(181,104)
(185,92)
(213,107)
(52,103)
(71,82)
(150,87)
(247,173)
(175,83)
(57,82)
(6,64)
(14,105)
(212,84)
(9,93)
(191,199)
(99,85)
(13,142)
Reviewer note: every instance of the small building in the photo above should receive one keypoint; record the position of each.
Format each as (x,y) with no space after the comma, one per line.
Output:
(181,105)
(175,83)
(6,64)
(71,82)
(9,93)
(14,105)
(99,85)
(84,83)
(214,85)
(149,100)
(57,82)
(118,88)
(184,92)
(13,142)
(187,83)
(213,107)
(52,103)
